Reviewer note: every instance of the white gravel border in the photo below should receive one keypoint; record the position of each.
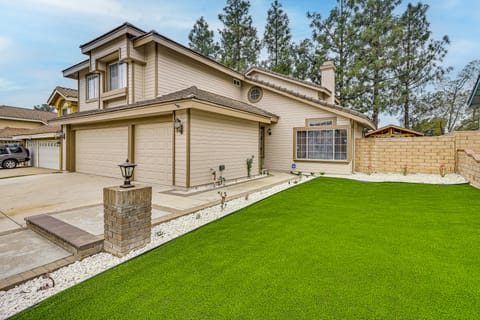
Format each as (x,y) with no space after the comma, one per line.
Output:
(451,178)
(26,295)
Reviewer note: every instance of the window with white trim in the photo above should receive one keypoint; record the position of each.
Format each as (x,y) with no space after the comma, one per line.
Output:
(92,86)
(117,75)
(318,144)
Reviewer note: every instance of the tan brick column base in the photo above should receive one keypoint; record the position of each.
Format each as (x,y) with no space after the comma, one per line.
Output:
(127,217)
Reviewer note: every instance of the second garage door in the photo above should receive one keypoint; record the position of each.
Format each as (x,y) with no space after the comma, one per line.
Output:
(48,154)
(153,153)
(100,151)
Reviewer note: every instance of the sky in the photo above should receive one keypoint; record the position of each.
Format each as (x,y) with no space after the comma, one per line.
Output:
(40,38)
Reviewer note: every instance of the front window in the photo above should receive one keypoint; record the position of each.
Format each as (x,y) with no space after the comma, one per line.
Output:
(316,144)
(92,87)
(117,75)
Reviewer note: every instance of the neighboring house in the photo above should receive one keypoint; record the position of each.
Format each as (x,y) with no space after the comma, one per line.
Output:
(44,145)
(65,100)
(393,131)
(181,116)
(32,131)
(14,117)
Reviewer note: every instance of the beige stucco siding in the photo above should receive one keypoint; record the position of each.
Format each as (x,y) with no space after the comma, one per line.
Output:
(19,124)
(286,84)
(279,146)
(149,91)
(220,140)
(139,82)
(181,150)
(176,72)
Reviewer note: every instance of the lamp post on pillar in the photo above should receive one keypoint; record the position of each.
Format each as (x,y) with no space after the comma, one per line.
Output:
(127,214)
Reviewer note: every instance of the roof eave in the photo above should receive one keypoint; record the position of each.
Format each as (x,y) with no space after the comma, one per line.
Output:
(365,121)
(126,28)
(71,72)
(23,119)
(177,47)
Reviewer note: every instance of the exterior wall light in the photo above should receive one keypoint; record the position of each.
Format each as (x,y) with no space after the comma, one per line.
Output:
(127,173)
(269,131)
(178,125)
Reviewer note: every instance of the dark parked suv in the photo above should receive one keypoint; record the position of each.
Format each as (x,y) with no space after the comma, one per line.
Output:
(12,154)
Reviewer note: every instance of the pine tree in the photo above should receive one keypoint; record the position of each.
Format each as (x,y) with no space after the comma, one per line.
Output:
(334,40)
(278,40)
(239,41)
(305,62)
(374,23)
(201,39)
(417,58)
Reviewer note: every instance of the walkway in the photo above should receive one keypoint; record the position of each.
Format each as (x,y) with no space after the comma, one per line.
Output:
(31,255)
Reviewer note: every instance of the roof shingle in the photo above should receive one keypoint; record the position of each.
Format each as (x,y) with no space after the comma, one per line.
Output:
(25,114)
(188,93)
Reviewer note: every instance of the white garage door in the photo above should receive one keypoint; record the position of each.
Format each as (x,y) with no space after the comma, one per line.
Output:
(153,153)
(48,154)
(100,151)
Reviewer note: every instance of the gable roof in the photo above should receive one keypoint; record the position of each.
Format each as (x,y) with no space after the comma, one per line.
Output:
(291,79)
(24,114)
(67,93)
(8,133)
(336,109)
(124,29)
(191,93)
(180,48)
(393,131)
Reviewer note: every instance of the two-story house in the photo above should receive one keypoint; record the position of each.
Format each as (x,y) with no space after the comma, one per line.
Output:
(181,116)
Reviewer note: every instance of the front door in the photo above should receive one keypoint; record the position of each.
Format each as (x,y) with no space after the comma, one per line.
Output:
(261,151)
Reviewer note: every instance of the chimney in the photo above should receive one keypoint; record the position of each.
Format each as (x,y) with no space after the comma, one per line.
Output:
(327,71)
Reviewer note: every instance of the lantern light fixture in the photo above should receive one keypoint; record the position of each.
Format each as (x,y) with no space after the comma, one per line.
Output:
(127,173)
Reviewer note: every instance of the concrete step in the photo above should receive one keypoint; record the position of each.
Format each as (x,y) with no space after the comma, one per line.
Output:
(77,241)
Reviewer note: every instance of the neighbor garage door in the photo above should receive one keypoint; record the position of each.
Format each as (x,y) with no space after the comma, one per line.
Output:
(100,151)
(153,153)
(48,154)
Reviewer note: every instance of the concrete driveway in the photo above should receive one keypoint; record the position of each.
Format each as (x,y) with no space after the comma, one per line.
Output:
(21,197)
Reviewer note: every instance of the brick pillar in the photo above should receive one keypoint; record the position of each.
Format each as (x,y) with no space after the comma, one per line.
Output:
(127,217)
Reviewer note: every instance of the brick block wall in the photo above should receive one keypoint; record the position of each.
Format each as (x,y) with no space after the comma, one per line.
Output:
(420,154)
(468,165)
(127,218)
(467,140)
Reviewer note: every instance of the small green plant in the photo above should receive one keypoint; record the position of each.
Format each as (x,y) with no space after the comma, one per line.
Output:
(405,169)
(249,166)
(322,173)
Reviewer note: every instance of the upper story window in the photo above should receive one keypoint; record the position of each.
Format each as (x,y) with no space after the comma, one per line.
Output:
(255,94)
(117,75)
(92,87)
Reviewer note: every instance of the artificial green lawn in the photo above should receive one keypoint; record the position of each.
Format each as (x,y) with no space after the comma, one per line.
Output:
(326,249)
